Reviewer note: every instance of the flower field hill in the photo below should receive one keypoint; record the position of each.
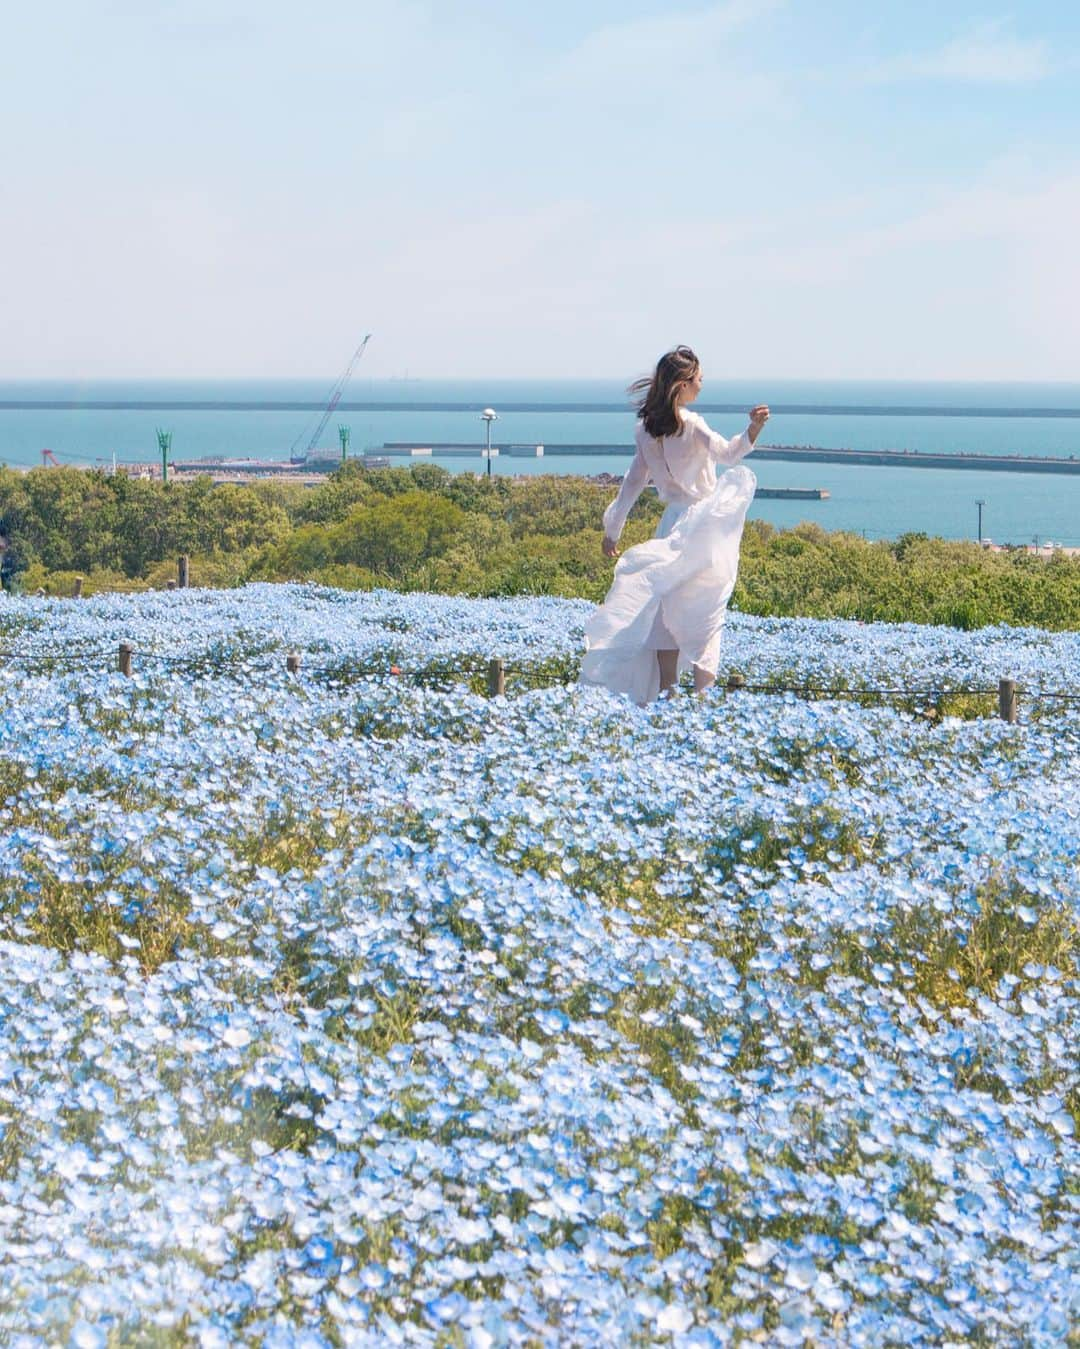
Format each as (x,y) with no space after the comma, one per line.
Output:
(344,1009)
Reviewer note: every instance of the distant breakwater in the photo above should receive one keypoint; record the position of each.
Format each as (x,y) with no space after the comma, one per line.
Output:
(1001,463)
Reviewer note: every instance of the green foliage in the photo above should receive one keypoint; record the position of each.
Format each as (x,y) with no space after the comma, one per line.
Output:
(394,536)
(390,538)
(345,488)
(421,528)
(67,520)
(1009,929)
(916,579)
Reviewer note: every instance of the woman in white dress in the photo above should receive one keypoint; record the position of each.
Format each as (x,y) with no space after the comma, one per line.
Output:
(665,610)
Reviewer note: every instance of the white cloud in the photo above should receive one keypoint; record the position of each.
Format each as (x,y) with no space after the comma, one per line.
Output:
(982,283)
(986,55)
(644,57)
(663,98)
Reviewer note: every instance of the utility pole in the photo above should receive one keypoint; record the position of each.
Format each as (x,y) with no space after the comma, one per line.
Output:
(164,440)
(980,503)
(343,436)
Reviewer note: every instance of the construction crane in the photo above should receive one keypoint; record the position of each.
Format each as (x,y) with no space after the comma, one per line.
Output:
(335,399)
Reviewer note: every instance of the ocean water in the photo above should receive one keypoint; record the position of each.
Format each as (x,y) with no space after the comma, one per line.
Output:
(1036,419)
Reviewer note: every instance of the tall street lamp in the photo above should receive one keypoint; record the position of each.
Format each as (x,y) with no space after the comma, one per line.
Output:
(488,416)
(980,503)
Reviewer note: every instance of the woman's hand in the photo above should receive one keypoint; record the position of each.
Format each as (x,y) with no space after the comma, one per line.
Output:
(759,415)
(610,547)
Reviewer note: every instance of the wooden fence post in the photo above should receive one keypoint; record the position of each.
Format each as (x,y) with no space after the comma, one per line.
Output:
(496,678)
(124,663)
(182,569)
(1007,700)
(77,588)
(292,662)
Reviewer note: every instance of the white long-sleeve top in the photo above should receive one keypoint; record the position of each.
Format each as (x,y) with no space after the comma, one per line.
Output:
(682,467)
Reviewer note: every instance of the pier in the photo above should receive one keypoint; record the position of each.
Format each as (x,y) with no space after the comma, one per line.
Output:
(811,454)
(792,493)
(317,466)
(315,471)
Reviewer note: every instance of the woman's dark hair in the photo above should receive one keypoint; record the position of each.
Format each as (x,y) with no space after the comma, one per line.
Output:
(656,397)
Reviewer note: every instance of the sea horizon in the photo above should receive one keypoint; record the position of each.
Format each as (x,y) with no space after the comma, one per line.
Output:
(279,416)
(954,387)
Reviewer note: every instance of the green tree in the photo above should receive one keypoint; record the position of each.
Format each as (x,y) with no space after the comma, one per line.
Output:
(397,535)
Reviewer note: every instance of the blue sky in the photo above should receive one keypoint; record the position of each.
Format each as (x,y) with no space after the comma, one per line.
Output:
(800,189)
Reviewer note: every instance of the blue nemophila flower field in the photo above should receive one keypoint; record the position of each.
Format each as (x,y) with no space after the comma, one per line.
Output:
(350,1010)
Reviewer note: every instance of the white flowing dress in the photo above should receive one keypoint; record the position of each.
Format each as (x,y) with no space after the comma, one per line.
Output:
(671,592)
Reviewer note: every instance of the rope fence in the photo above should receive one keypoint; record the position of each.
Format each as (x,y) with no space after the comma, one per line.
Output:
(494,671)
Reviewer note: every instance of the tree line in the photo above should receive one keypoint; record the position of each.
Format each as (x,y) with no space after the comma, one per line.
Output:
(422,528)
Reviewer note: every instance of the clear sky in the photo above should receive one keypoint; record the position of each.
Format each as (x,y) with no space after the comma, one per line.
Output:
(818,188)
